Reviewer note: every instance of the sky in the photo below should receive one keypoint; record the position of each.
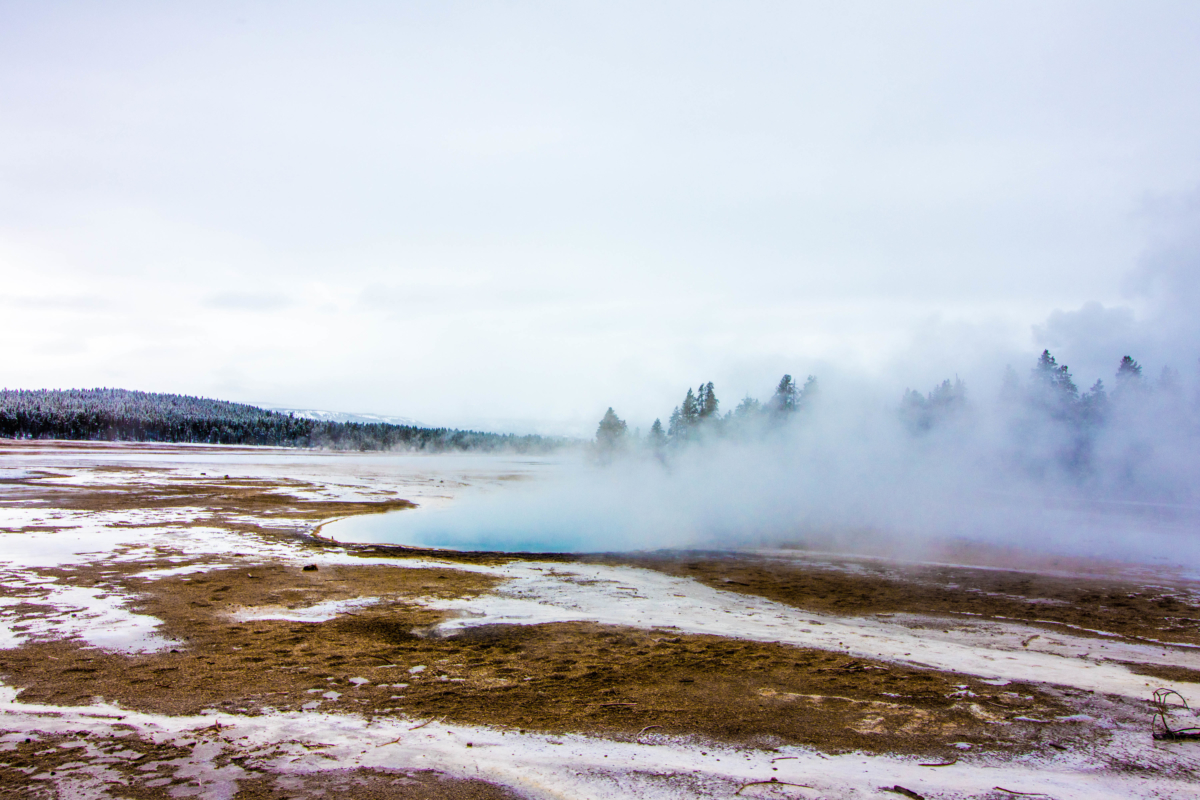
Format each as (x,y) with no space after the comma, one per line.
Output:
(518,214)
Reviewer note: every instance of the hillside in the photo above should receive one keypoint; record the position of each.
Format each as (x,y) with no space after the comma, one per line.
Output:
(124,415)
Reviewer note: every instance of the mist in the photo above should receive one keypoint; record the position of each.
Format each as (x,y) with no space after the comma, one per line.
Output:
(1035,466)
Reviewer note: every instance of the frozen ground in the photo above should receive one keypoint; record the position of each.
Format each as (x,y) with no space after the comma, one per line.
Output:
(51,536)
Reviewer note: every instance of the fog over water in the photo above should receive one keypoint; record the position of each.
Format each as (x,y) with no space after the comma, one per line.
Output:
(1032,467)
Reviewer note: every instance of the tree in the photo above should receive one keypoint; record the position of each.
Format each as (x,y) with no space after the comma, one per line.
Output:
(1055,376)
(808,392)
(707,402)
(657,439)
(784,399)
(1094,404)
(675,423)
(922,412)
(749,407)
(1129,373)
(610,434)
(690,411)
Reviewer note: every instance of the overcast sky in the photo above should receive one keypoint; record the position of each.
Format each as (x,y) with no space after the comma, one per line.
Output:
(460,212)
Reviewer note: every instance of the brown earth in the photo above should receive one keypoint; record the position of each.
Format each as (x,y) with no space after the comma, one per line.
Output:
(858,587)
(216,495)
(553,678)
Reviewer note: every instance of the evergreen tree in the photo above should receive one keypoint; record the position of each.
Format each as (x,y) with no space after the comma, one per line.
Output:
(748,408)
(610,434)
(690,410)
(922,412)
(707,401)
(675,423)
(808,392)
(1054,376)
(657,439)
(1129,373)
(1094,404)
(784,399)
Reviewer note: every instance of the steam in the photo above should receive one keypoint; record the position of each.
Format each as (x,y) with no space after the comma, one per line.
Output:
(1028,468)
(1037,464)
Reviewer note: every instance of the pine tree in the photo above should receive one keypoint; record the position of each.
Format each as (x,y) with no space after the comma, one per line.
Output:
(1056,376)
(690,411)
(707,401)
(784,399)
(675,423)
(808,392)
(657,439)
(1128,372)
(611,431)
(749,407)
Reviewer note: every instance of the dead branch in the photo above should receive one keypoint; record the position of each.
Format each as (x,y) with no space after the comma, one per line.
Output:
(1162,703)
(1023,794)
(898,789)
(643,730)
(772,782)
(942,764)
(426,722)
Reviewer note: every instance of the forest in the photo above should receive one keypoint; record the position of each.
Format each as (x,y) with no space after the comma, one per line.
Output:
(699,417)
(1041,420)
(121,415)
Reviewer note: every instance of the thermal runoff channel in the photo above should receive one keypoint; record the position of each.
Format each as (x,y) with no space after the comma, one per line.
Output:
(1108,472)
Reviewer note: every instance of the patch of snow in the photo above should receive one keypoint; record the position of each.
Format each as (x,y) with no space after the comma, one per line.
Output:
(45,609)
(537,593)
(319,612)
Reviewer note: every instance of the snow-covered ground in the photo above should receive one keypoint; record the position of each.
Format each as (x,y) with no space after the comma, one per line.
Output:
(576,767)
(38,606)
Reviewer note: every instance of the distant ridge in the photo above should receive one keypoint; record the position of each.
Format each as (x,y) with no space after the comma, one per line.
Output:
(343,416)
(125,415)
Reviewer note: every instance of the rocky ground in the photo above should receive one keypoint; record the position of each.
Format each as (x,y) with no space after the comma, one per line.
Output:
(173,624)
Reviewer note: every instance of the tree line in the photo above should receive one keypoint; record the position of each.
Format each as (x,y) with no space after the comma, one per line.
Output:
(132,416)
(698,417)
(1050,390)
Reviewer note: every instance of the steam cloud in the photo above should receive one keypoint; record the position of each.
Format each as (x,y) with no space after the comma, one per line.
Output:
(1028,468)
(1111,472)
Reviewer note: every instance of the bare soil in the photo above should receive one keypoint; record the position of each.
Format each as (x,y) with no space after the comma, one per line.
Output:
(552,678)
(858,587)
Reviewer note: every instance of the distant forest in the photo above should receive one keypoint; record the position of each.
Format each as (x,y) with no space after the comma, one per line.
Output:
(698,417)
(120,415)
(1046,414)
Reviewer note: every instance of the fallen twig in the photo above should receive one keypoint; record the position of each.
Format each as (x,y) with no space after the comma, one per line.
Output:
(603,705)
(1161,700)
(772,782)
(1023,794)
(393,741)
(898,789)
(942,764)
(426,722)
(783,758)
(643,730)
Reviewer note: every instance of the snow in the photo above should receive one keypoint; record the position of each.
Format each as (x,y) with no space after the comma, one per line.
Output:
(92,615)
(570,767)
(319,612)
(536,593)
